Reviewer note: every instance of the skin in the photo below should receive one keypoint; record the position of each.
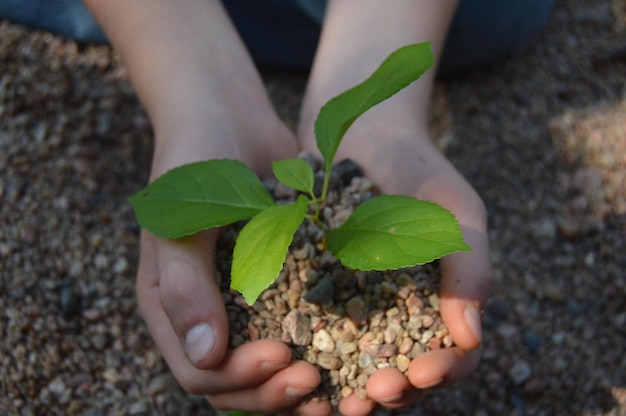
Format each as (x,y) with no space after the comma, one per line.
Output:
(206,100)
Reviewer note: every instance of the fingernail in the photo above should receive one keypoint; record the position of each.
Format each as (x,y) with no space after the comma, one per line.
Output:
(295,393)
(199,341)
(472,319)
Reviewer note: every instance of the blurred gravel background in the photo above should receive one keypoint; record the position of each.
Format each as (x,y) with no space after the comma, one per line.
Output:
(541,136)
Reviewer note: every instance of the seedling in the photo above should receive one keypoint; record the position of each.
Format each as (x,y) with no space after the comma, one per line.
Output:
(385,232)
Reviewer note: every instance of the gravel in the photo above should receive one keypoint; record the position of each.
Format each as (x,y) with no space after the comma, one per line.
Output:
(347,323)
(541,137)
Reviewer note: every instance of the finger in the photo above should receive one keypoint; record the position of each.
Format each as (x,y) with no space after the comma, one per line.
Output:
(314,408)
(465,286)
(442,368)
(390,388)
(465,277)
(353,406)
(191,297)
(282,391)
(245,367)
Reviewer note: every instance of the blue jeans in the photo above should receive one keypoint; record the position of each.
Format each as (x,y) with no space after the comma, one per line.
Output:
(284,33)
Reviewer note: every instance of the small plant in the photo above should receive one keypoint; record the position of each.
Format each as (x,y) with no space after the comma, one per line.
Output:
(385,232)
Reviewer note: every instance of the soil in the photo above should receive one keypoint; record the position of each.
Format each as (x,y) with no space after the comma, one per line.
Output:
(541,136)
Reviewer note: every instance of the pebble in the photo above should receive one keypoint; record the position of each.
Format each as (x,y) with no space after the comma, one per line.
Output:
(532,342)
(138,408)
(57,386)
(520,371)
(403,362)
(161,383)
(298,326)
(357,310)
(328,361)
(323,341)
(120,266)
(405,345)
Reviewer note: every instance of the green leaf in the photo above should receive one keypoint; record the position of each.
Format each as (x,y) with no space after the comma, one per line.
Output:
(295,173)
(261,248)
(394,231)
(198,196)
(399,70)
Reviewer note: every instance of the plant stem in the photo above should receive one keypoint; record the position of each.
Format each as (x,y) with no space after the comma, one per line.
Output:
(324,193)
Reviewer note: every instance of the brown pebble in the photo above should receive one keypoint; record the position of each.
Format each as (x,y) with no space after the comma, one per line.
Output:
(403,362)
(328,361)
(298,326)
(253,332)
(381,350)
(356,310)
(427,321)
(414,304)
(405,346)
(434,343)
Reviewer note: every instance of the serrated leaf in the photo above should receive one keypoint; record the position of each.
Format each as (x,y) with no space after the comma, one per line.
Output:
(399,70)
(261,248)
(395,231)
(198,196)
(295,173)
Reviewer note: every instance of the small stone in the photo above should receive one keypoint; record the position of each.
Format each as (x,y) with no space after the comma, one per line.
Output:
(427,321)
(507,331)
(366,360)
(426,336)
(101,261)
(323,341)
(346,170)
(434,343)
(520,372)
(532,341)
(322,292)
(388,288)
(161,383)
(392,333)
(433,299)
(405,346)
(347,348)
(57,386)
(544,229)
(120,266)
(298,326)
(111,375)
(328,361)
(346,391)
(138,408)
(403,362)
(356,310)
(414,304)
(70,300)
(382,350)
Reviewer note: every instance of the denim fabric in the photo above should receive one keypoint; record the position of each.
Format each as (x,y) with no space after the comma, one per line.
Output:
(64,17)
(284,33)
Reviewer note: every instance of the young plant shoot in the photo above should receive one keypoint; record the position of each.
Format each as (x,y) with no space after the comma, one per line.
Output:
(385,232)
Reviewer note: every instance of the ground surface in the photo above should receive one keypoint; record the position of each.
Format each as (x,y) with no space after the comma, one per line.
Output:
(542,137)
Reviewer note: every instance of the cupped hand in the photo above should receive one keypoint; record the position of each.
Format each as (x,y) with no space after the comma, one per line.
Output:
(415,167)
(183,308)
(180,300)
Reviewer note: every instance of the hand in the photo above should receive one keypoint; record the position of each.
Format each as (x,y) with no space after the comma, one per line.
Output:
(182,306)
(414,167)
(181,302)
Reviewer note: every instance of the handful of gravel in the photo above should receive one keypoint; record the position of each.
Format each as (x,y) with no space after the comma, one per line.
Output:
(348,323)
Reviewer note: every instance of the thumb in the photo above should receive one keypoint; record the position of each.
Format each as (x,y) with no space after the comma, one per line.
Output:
(191,298)
(465,286)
